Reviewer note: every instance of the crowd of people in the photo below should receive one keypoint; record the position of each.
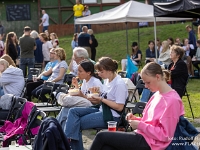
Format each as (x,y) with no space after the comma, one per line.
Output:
(81,111)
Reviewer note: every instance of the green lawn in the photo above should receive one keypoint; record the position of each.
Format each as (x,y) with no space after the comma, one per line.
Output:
(113,44)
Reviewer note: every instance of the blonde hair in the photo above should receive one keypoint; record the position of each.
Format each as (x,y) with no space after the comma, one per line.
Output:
(8,59)
(60,52)
(4,63)
(90,31)
(165,46)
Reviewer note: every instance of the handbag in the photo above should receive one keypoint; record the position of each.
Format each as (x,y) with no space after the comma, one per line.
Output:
(131,68)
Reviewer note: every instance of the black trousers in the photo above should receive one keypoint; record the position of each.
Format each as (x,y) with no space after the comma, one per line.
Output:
(31,86)
(106,140)
(195,64)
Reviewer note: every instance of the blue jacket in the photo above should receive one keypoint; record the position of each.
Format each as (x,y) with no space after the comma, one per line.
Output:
(184,135)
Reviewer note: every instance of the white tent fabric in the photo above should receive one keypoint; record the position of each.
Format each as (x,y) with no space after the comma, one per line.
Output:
(128,12)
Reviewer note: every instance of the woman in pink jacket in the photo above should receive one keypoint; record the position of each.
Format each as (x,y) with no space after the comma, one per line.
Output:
(156,128)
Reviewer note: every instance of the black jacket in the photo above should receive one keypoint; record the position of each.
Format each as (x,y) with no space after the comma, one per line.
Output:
(51,136)
(179,76)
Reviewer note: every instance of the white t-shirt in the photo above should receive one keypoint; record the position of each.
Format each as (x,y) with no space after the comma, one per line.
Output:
(46,50)
(46,18)
(56,71)
(116,91)
(74,68)
(187,52)
(93,82)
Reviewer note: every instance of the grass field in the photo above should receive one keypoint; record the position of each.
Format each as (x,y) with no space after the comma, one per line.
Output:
(113,44)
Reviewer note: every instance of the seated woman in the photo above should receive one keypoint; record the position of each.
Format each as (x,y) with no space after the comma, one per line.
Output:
(196,58)
(31,85)
(188,48)
(158,123)
(136,56)
(164,57)
(11,79)
(178,69)
(90,80)
(151,52)
(113,98)
(57,76)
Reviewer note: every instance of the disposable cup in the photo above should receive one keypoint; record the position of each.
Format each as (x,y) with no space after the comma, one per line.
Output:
(112,126)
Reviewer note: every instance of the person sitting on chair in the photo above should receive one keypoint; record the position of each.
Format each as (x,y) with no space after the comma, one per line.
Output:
(11,79)
(159,120)
(112,99)
(136,56)
(151,52)
(31,85)
(90,80)
(178,70)
(57,76)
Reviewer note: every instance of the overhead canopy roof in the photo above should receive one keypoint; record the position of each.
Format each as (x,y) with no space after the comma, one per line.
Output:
(178,8)
(130,11)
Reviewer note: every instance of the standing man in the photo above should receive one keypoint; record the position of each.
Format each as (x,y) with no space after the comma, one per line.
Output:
(192,39)
(78,12)
(2,30)
(45,21)
(28,46)
(84,40)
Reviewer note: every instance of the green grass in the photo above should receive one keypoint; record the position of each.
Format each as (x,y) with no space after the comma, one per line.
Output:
(113,44)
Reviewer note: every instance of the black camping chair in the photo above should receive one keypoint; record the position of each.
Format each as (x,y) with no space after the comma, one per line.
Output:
(138,109)
(47,86)
(35,119)
(15,107)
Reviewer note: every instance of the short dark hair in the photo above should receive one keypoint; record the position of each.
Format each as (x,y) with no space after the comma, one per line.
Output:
(27,28)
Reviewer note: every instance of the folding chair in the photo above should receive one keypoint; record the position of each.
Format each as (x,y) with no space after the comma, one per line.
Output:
(39,66)
(54,106)
(138,109)
(131,104)
(185,93)
(23,93)
(62,88)
(47,86)
(35,71)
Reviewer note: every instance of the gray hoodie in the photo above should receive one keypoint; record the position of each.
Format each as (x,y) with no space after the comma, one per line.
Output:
(12,81)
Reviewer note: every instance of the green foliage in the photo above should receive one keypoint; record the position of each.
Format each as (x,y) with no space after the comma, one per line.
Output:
(113,44)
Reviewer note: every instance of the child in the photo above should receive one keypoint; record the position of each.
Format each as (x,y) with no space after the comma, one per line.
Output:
(1,46)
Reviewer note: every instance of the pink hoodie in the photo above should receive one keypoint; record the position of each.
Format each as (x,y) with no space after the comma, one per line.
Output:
(160,118)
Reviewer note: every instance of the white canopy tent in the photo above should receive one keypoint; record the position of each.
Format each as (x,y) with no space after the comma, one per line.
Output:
(128,12)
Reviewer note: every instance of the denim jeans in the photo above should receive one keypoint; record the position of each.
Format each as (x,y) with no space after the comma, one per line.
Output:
(77,25)
(62,116)
(24,62)
(82,118)
(145,95)
(45,28)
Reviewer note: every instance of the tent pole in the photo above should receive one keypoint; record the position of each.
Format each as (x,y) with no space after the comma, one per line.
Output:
(138,35)
(127,37)
(155,39)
